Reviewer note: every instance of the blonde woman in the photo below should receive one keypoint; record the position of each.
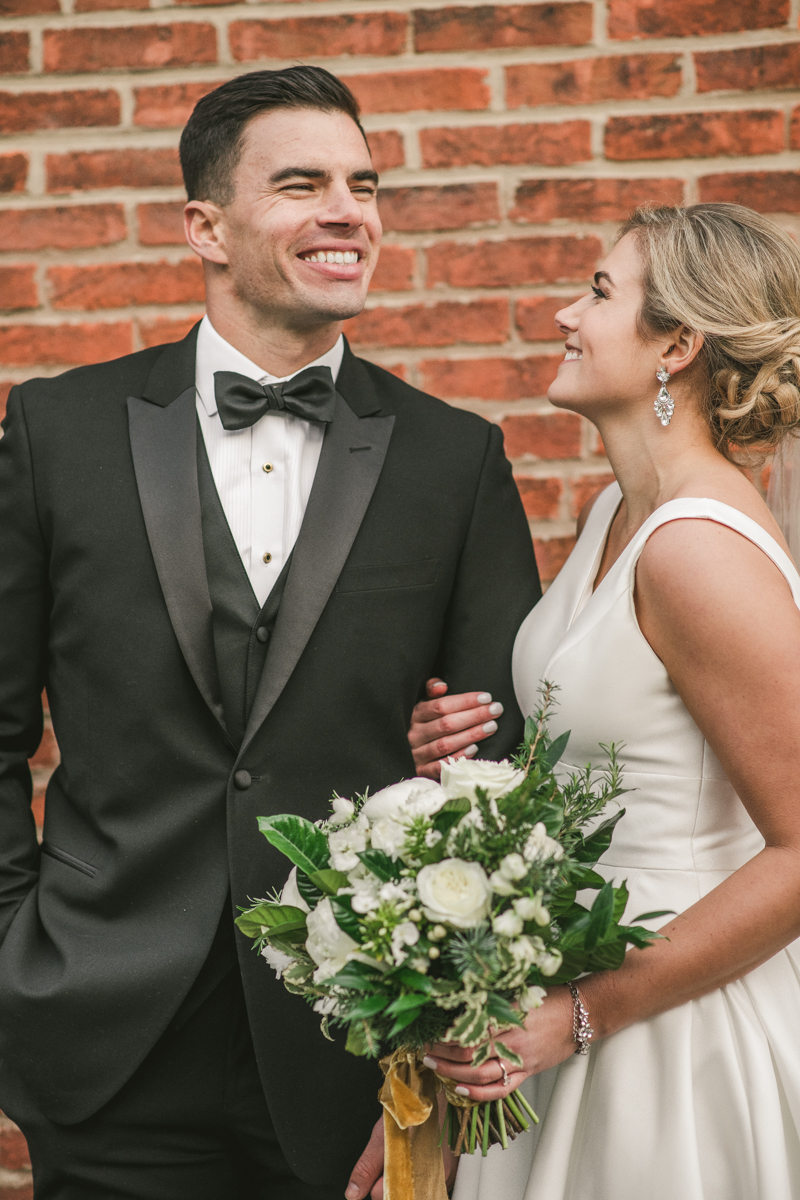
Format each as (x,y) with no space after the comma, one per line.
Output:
(674,628)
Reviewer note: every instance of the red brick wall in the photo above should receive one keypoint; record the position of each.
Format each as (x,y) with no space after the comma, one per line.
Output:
(511,139)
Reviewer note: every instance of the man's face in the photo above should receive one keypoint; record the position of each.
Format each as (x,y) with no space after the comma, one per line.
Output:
(302,234)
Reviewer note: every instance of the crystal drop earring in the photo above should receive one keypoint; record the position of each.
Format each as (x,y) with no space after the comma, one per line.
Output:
(664,403)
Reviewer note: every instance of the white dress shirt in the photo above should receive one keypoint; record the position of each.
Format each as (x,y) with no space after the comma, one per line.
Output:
(263,474)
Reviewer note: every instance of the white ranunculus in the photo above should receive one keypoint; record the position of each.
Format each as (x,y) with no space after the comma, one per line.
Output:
(389,836)
(530,908)
(507,924)
(549,962)
(276,959)
(343,811)
(345,844)
(327,943)
(405,800)
(461,776)
(532,997)
(290,893)
(539,847)
(455,893)
(514,867)
(500,885)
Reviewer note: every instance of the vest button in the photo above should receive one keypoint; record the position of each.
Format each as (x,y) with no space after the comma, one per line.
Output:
(242,780)
(267,558)
(262,633)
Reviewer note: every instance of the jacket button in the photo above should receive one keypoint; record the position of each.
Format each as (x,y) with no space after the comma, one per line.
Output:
(262,633)
(242,780)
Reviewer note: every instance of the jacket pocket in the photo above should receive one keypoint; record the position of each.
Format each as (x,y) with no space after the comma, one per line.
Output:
(69,860)
(421,573)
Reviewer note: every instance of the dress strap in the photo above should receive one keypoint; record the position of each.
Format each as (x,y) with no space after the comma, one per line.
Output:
(704,509)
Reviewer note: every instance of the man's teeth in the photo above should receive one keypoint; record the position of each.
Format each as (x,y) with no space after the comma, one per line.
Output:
(332,256)
(572,355)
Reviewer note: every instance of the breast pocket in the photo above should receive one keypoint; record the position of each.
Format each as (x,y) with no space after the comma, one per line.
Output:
(389,576)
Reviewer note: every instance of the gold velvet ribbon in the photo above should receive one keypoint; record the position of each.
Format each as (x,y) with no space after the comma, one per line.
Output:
(413,1167)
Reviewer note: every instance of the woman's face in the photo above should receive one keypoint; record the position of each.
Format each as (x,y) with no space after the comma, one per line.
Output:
(607,364)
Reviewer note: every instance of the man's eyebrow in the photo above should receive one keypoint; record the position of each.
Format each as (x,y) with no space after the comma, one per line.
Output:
(294,172)
(366,176)
(598,275)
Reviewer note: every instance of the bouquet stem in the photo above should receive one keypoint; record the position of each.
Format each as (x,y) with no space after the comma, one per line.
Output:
(498,1122)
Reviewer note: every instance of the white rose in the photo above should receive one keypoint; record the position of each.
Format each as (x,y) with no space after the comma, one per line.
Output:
(276,959)
(532,997)
(455,893)
(530,908)
(539,847)
(291,895)
(461,776)
(514,867)
(389,836)
(343,810)
(507,924)
(327,942)
(404,800)
(345,844)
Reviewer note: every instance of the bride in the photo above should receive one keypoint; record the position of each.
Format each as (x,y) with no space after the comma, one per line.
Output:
(674,628)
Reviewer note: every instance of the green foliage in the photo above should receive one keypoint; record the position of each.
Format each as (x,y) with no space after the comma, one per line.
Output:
(301,842)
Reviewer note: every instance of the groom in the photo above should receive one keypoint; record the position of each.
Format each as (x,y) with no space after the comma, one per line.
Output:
(233,589)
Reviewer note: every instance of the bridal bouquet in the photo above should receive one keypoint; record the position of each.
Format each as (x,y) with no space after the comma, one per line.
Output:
(441,912)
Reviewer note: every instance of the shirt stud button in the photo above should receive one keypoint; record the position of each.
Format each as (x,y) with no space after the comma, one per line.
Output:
(267,467)
(262,633)
(242,780)
(267,557)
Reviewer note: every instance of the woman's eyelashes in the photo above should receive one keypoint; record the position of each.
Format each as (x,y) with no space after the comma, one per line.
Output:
(599,293)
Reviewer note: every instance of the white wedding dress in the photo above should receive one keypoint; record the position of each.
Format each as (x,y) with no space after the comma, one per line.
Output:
(702,1102)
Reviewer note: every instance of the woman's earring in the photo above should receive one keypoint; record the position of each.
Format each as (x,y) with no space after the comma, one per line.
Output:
(664,403)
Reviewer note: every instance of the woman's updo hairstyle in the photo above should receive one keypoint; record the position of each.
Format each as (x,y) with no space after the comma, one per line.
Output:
(730,274)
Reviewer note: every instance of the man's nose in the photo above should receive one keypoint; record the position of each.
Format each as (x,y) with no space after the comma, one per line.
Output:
(342,208)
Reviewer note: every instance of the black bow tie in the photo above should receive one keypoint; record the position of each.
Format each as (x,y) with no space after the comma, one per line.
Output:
(241,401)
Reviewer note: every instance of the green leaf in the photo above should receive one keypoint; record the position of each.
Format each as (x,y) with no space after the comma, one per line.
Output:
(329,881)
(414,979)
(572,966)
(356,977)
(459,805)
(501,1011)
(561,901)
(254,920)
(412,1000)
(357,1042)
(591,848)
(370,1006)
(620,900)
(555,750)
(346,919)
(602,914)
(608,957)
(469,1029)
(295,932)
(381,864)
(403,1021)
(585,877)
(652,916)
(308,890)
(301,842)
(504,1051)
(551,816)
(531,726)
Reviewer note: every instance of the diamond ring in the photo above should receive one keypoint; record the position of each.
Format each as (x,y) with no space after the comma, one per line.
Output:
(505,1073)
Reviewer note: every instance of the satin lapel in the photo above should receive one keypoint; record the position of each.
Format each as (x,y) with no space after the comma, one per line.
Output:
(164,448)
(350,464)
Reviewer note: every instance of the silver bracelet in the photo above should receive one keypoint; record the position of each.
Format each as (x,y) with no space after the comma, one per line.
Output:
(582,1031)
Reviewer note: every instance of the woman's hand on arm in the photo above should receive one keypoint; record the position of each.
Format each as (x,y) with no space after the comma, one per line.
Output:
(444,725)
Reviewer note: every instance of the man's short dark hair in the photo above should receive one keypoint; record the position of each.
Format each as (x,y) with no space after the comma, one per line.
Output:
(211,143)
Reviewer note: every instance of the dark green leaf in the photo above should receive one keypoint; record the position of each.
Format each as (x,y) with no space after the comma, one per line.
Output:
(602,913)
(290,931)
(551,816)
(561,901)
(652,916)
(585,877)
(329,881)
(501,1011)
(357,1042)
(403,1021)
(620,900)
(308,890)
(531,726)
(608,957)
(571,967)
(370,1006)
(301,842)
(590,848)
(346,919)
(414,979)
(554,751)
(266,915)
(380,864)
(412,1000)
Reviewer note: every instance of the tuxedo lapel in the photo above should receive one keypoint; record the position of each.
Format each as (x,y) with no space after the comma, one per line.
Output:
(163,434)
(350,464)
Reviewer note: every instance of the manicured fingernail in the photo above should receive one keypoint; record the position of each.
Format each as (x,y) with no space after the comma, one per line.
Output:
(496,709)
(440,684)
(484,697)
(490,727)
(462,1091)
(470,750)
(430,1062)
(353,1191)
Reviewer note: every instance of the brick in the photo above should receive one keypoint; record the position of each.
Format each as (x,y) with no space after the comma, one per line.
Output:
(161,223)
(117,285)
(542,200)
(584,487)
(108,47)
(491,26)
(386,148)
(24,111)
(102,5)
(13,172)
(13,1150)
(554,144)
(491,378)
(588,80)
(513,262)
(541,498)
(380,33)
(544,435)
(695,135)
(28,8)
(47,754)
(18,288)
(455,206)
(62,228)
(749,67)
(535,317)
(765,191)
(82,170)
(551,554)
(169,105)
(463,88)
(687,18)
(64,345)
(442,324)
(395,270)
(14,50)
(166,329)
(794,129)
(398,369)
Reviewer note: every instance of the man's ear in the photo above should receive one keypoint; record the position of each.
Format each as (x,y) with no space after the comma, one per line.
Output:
(204,227)
(684,346)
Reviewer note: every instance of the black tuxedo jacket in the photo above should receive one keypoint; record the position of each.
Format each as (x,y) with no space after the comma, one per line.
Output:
(414,559)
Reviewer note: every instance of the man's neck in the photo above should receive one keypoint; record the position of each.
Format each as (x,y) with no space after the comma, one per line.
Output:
(278,351)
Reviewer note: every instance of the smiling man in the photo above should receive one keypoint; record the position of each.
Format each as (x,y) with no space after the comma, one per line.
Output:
(233,562)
